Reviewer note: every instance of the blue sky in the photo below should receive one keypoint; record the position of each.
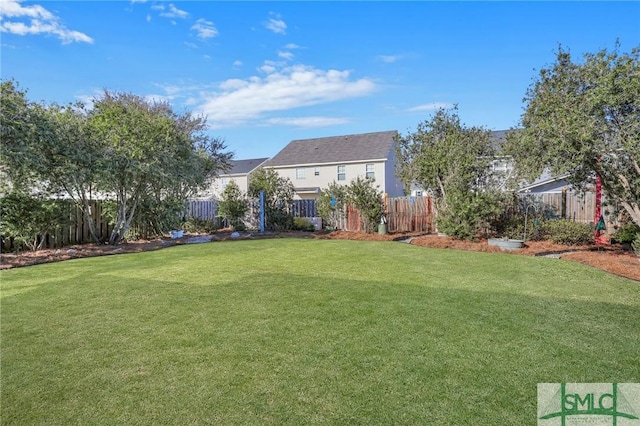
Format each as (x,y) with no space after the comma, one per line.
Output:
(266,73)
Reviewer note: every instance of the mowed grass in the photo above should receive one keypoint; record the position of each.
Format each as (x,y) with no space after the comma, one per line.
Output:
(288,331)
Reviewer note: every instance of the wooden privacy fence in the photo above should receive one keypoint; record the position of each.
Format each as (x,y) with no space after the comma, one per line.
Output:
(573,205)
(202,209)
(403,214)
(75,231)
(409,214)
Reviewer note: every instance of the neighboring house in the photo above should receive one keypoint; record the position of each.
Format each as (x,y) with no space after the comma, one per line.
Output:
(312,164)
(503,166)
(239,173)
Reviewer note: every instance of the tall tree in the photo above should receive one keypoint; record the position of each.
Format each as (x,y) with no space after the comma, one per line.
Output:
(22,124)
(583,119)
(452,161)
(152,152)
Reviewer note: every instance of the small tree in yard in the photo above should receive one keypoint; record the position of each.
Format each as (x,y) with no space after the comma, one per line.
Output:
(331,203)
(278,195)
(453,162)
(233,205)
(366,197)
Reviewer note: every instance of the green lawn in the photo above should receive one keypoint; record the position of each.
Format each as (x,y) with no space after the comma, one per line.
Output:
(301,331)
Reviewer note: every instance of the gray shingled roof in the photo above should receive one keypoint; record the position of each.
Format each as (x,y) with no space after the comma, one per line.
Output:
(239,167)
(335,149)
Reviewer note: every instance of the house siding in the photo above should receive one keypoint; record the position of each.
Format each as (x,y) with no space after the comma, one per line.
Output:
(328,173)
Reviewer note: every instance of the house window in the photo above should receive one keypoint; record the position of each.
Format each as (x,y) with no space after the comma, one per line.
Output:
(500,165)
(418,193)
(341,173)
(300,173)
(370,172)
(224,182)
(316,171)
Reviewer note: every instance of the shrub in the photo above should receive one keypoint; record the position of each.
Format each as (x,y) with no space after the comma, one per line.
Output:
(627,233)
(331,203)
(467,213)
(196,225)
(512,226)
(368,199)
(29,219)
(636,245)
(233,205)
(302,224)
(278,220)
(568,232)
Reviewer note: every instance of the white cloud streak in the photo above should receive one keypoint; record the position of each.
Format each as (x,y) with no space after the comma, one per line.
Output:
(35,20)
(430,107)
(388,59)
(238,101)
(307,122)
(204,29)
(170,11)
(276,24)
(286,55)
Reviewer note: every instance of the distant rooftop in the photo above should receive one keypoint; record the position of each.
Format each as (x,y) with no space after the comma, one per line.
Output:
(239,167)
(336,149)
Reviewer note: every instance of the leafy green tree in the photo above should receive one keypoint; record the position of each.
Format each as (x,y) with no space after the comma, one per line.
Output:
(21,125)
(331,203)
(28,219)
(233,205)
(278,195)
(583,119)
(367,198)
(152,152)
(453,162)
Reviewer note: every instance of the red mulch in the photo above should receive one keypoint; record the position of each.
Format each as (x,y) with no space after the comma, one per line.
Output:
(611,258)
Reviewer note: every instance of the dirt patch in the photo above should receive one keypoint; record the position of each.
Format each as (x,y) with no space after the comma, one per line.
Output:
(611,258)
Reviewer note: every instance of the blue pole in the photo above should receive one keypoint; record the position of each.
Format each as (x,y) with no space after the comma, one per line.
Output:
(262,211)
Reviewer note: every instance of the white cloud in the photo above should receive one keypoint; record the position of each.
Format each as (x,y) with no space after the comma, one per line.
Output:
(34,20)
(430,107)
(148,18)
(237,64)
(388,59)
(276,24)
(286,55)
(205,29)
(190,45)
(237,101)
(292,46)
(307,122)
(170,12)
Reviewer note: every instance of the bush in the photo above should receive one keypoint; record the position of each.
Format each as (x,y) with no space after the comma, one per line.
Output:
(278,220)
(467,213)
(636,245)
(512,226)
(29,219)
(568,232)
(196,225)
(627,233)
(302,224)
